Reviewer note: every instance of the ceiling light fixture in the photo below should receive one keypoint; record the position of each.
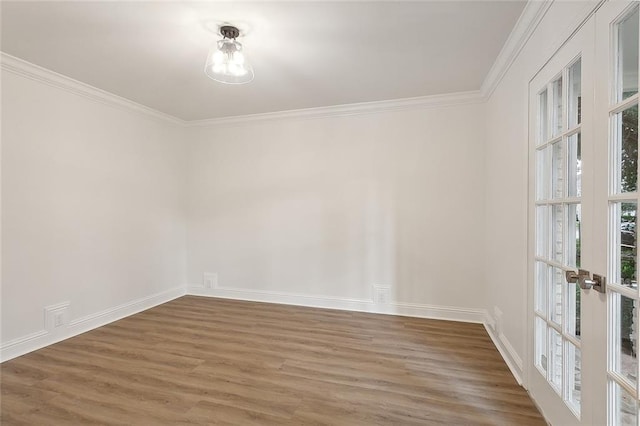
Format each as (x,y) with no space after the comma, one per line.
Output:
(226,62)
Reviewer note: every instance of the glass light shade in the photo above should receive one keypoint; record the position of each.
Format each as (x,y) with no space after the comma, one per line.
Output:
(226,63)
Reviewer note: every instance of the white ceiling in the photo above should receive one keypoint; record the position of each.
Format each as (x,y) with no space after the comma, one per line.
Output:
(305,54)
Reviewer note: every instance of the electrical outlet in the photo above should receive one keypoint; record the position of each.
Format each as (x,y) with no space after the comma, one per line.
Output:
(497,313)
(210,280)
(382,295)
(491,322)
(56,316)
(58,319)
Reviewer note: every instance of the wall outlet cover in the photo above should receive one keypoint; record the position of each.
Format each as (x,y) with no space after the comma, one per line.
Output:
(58,319)
(491,322)
(56,316)
(497,314)
(210,280)
(382,295)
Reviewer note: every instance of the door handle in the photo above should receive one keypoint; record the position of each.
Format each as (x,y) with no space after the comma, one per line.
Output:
(582,278)
(572,277)
(586,282)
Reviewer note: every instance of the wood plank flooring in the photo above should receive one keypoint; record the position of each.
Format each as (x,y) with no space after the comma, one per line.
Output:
(200,360)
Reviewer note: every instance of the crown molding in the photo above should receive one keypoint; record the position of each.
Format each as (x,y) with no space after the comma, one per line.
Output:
(531,16)
(43,75)
(51,78)
(434,101)
(527,23)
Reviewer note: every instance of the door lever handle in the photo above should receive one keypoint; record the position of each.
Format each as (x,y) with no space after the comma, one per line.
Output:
(572,277)
(581,278)
(585,281)
(599,283)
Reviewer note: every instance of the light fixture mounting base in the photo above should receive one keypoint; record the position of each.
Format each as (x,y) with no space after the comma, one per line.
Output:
(228,31)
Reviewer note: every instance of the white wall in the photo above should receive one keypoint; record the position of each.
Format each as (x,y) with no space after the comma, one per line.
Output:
(102,206)
(95,200)
(506,152)
(329,207)
(92,205)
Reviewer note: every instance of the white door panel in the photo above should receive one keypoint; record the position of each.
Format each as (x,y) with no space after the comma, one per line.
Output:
(615,208)
(583,176)
(560,148)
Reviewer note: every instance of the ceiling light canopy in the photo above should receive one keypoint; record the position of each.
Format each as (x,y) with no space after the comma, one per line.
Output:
(226,62)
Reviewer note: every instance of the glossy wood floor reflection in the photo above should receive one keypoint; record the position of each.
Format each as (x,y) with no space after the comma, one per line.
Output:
(212,361)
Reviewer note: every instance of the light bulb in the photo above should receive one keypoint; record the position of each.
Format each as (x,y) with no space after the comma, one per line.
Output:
(236,69)
(218,68)
(227,63)
(218,57)
(238,58)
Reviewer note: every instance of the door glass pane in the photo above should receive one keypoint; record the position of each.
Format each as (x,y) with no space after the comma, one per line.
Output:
(558,174)
(543,130)
(556,107)
(626,253)
(574,220)
(555,305)
(541,343)
(622,245)
(575,94)
(625,127)
(542,231)
(575,376)
(574,165)
(542,278)
(557,219)
(556,170)
(625,350)
(542,168)
(555,359)
(625,407)
(628,56)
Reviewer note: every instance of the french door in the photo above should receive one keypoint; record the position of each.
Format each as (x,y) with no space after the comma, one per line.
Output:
(616,194)
(561,150)
(583,197)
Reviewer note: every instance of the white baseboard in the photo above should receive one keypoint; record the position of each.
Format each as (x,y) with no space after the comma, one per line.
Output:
(359,305)
(506,350)
(509,354)
(40,339)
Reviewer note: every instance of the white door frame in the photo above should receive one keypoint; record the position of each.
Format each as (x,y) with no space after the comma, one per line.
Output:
(597,132)
(581,43)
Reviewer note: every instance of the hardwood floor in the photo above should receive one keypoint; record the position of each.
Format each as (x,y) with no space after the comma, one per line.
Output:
(201,360)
